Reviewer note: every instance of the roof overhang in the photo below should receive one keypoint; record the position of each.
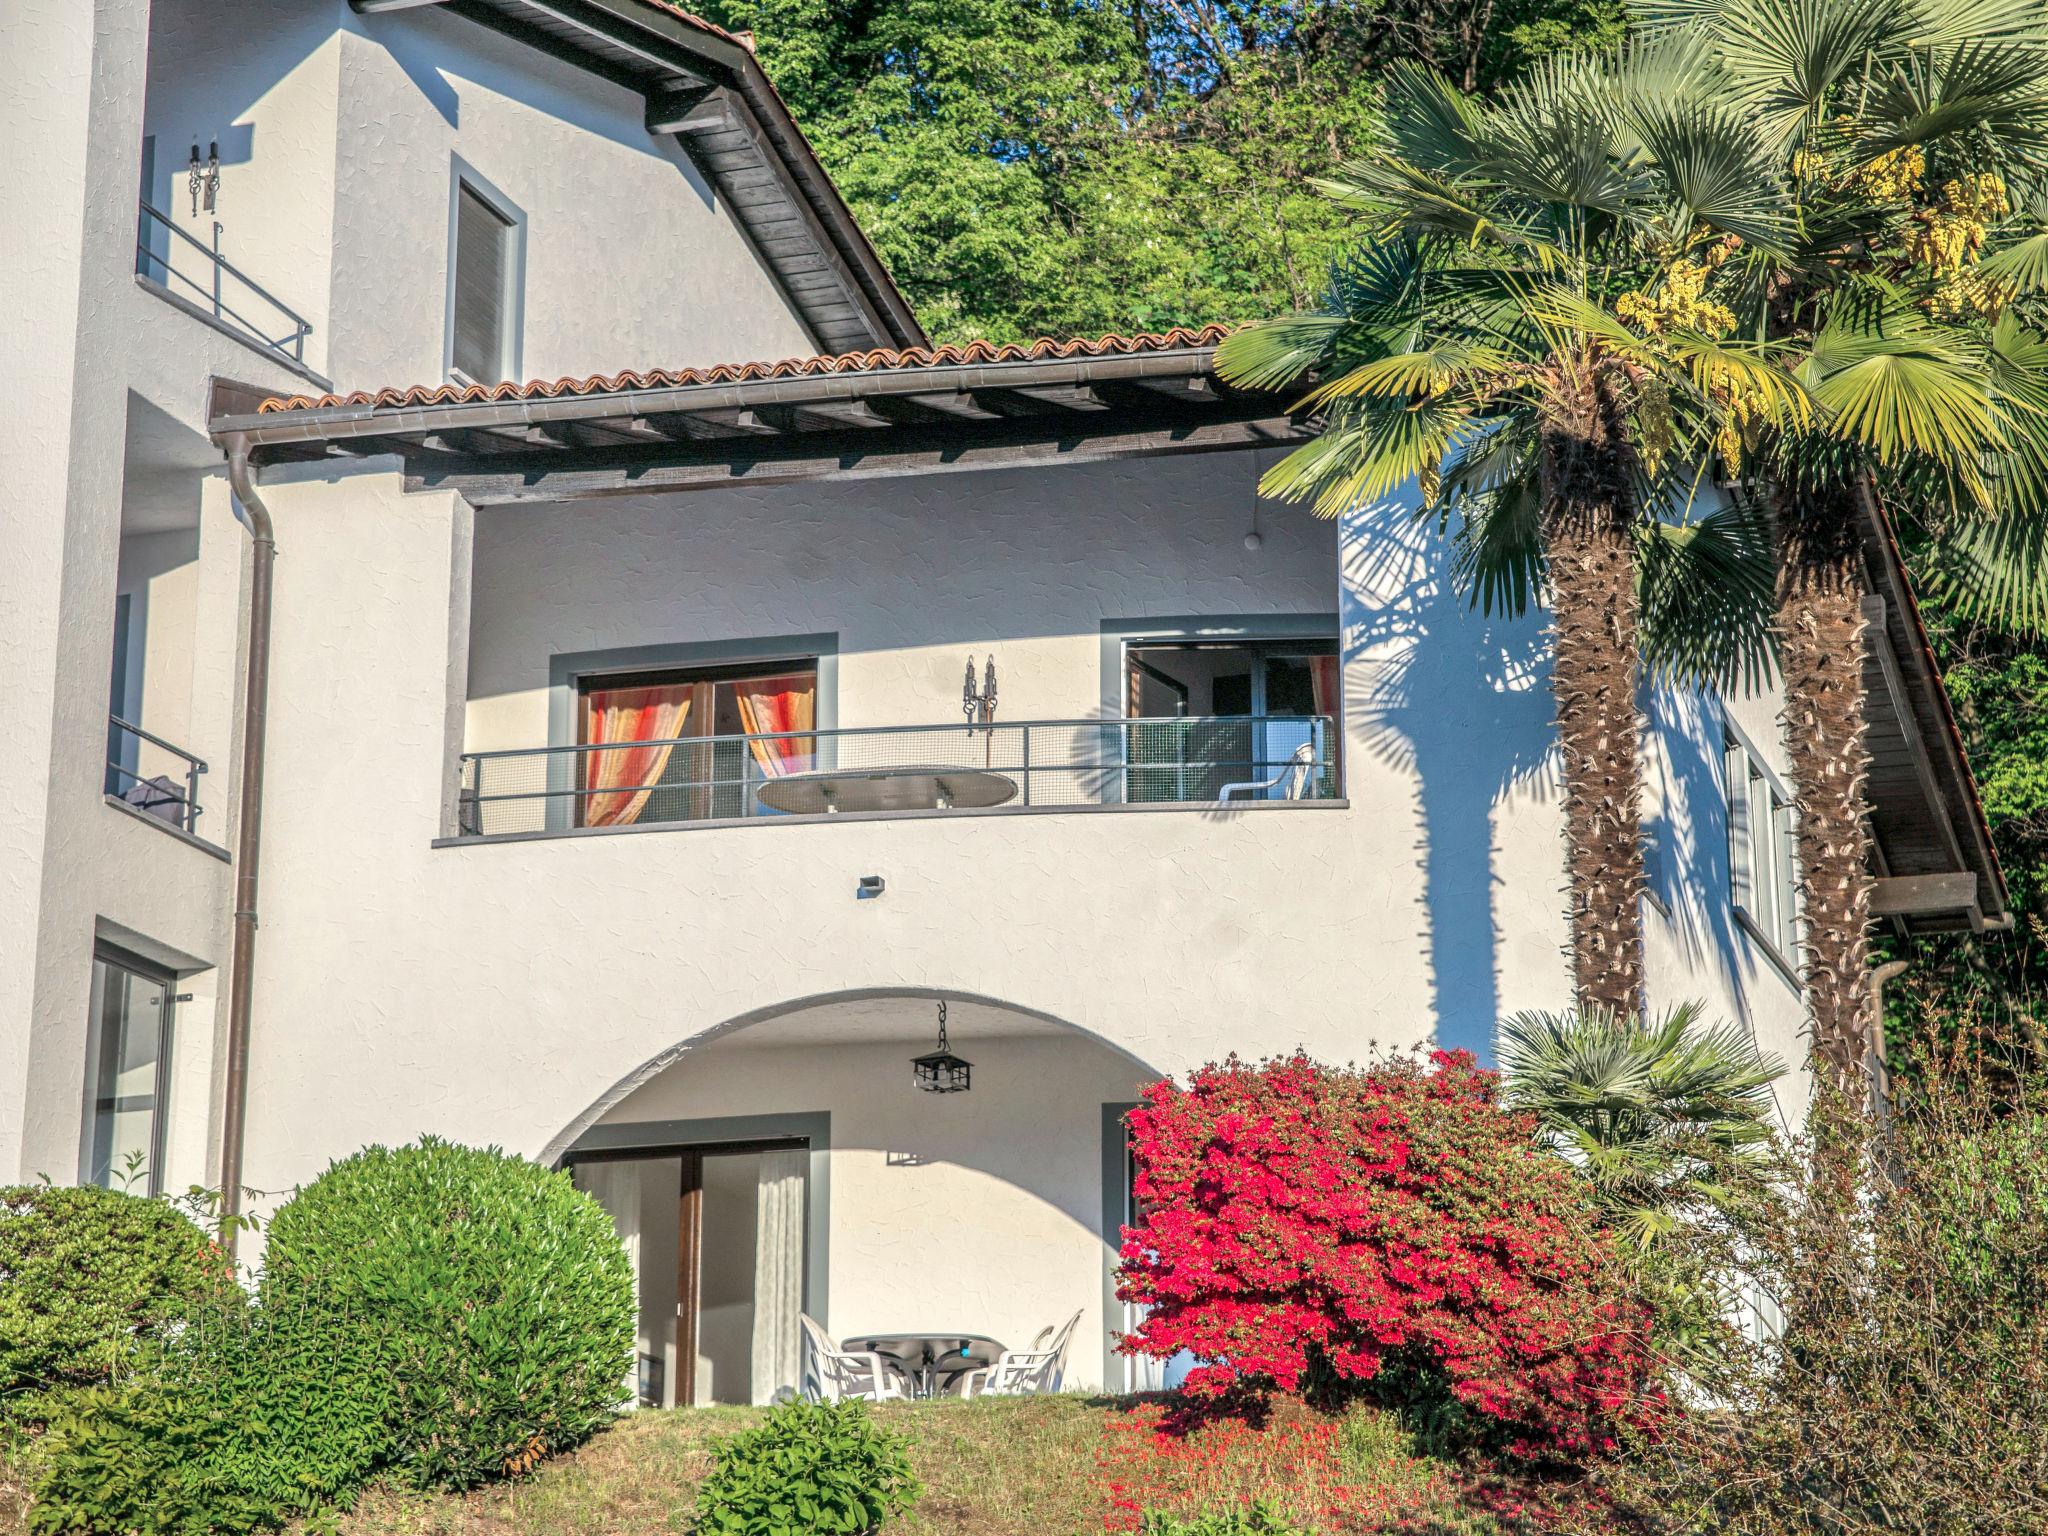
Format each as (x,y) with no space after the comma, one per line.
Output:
(703,86)
(1937,869)
(929,413)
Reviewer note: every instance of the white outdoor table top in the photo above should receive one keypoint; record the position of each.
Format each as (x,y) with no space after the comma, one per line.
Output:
(905,787)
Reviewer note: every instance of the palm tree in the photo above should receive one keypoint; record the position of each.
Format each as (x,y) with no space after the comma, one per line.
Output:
(1901,296)
(1469,346)
(1668,1122)
(1667,1119)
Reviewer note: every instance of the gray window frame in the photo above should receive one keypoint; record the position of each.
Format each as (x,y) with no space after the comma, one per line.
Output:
(114,956)
(512,322)
(1780,947)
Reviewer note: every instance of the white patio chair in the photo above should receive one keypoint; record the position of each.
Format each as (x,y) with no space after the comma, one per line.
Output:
(1022,1372)
(832,1374)
(1300,768)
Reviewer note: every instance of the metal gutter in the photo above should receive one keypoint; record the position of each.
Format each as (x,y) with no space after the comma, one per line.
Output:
(248,839)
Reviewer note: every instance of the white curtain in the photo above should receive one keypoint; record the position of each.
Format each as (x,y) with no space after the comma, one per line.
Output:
(778,1271)
(616,1187)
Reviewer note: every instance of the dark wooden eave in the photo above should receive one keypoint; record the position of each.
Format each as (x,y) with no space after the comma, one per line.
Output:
(1937,870)
(707,91)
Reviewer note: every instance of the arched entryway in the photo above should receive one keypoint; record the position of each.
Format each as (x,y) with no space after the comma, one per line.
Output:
(790,1163)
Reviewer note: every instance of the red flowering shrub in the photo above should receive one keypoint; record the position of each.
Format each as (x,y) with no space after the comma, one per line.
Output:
(1391,1233)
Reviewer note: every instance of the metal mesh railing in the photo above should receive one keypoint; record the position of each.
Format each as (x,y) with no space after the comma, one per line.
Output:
(1195,760)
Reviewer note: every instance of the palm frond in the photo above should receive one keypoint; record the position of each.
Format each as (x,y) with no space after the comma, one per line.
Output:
(1902,388)
(1368,448)
(1707,589)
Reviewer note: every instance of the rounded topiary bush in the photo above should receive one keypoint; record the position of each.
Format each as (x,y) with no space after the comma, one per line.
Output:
(89,1279)
(486,1303)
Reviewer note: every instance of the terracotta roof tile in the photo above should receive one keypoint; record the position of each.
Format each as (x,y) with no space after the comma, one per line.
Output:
(878,360)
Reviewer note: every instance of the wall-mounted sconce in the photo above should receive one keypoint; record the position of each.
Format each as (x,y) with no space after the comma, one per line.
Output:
(979,706)
(204,180)
(869,888)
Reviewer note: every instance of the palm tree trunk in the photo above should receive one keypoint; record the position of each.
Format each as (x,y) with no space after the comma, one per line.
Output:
(1820,636)
(1589,545)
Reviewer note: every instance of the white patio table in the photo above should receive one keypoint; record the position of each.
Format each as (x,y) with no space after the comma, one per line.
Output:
(934,1362)
(908,787)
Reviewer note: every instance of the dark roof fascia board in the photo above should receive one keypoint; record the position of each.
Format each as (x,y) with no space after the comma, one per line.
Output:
(794,151)
(332,423)
(1926,696)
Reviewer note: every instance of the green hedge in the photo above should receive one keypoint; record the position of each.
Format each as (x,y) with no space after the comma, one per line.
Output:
(90,1281)
(448,1314)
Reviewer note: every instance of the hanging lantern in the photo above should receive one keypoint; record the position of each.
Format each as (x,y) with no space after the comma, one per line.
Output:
(941,1071)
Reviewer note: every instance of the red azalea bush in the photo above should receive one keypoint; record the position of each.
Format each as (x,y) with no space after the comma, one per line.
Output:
(1390,1233)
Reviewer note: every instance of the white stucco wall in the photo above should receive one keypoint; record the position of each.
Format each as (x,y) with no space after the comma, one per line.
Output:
(1177,935)
(630,259)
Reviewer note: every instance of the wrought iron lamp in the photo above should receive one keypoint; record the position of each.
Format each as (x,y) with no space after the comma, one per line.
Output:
(941,1071)
(979,706)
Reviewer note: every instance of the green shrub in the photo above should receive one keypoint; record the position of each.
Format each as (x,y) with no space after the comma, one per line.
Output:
(245,1419)
(90,1279)
(1257,1519)
(1908,1389)
(488,1302)
(807,1467)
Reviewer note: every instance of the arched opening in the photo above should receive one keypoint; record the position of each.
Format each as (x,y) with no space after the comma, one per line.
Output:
(790,1165)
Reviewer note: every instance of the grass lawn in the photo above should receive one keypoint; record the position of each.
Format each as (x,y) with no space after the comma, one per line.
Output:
(1006,1467)
(1003,1467)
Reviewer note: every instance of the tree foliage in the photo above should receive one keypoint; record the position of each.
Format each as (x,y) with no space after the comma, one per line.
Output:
(1065,167)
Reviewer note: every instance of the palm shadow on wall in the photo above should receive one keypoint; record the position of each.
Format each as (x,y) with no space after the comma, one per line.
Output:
(1460,703)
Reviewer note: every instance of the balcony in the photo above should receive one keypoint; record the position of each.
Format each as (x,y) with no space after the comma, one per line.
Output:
(1040,765)
(205,284)
(152,776)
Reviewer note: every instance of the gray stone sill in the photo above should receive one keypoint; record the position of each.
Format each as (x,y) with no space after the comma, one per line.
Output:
(1210,808)
(191,838)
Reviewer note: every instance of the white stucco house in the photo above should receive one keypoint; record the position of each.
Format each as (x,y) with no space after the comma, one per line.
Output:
(1247,781)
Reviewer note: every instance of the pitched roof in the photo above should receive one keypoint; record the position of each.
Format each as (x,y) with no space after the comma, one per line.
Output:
(874,360)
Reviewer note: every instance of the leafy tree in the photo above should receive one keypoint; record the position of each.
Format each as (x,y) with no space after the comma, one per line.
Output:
(1055,167)
(1473,345)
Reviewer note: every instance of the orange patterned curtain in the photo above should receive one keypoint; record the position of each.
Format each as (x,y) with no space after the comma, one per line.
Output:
(621,779)
(771,704)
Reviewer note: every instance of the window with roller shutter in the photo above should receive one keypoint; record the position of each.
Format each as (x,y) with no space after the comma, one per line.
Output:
(484,303)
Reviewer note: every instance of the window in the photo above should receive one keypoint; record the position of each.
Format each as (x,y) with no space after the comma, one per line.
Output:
(716,733)
(1761,858)
(1247,706)
(128,1051)
(483,306)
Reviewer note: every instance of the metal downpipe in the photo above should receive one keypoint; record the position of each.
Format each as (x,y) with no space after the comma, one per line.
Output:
(248,840)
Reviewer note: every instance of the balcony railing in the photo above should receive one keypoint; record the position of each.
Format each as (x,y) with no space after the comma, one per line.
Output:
(1193,760)
(216,285)
(153,776)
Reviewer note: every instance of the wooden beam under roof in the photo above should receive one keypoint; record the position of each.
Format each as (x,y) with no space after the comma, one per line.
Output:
(1926,896)
(852,454)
